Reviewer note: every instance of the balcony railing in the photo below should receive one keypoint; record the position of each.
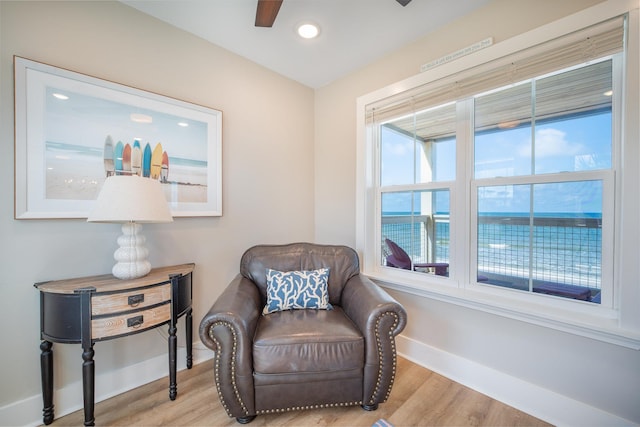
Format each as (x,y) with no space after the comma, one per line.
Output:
(513,251)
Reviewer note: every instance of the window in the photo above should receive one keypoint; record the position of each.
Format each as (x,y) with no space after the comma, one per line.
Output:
(500,185)
(548,141)
(416,173)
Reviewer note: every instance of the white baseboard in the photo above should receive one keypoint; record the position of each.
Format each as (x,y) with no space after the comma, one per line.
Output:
(534,400)
(28,412)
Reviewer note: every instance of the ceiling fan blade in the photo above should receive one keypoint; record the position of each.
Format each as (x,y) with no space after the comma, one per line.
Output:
(267,12)
(403,2)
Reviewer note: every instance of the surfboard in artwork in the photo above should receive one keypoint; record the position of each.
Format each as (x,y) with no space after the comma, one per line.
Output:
(126,159)
(117,157)
(108,156)
(156,161)
(136,158)
(146,161)
(164,173)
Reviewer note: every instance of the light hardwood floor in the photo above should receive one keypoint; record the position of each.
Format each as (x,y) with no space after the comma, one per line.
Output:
(419,398)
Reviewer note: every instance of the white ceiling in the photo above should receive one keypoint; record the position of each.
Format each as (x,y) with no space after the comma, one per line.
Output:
(353,32)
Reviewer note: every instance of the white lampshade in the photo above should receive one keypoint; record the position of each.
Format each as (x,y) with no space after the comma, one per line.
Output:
(126,198)
(131,200)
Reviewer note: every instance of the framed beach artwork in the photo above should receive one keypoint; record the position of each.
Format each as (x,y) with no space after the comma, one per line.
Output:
(72,131)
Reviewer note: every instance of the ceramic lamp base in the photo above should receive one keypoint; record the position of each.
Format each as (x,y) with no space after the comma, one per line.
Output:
(132,254)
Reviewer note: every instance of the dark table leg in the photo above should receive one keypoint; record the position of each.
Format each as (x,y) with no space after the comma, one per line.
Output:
(189,338)
(88,385)
(88,364)
(46,371)
(173,346)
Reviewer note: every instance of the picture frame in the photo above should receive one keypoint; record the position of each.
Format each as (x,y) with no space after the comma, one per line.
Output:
(73,130)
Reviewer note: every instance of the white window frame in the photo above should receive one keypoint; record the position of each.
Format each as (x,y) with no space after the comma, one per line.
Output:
(617,319)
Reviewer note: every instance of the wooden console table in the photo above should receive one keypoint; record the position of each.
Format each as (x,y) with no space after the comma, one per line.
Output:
(90,309)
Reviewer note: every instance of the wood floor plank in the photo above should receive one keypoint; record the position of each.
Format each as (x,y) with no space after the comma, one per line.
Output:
(419,397)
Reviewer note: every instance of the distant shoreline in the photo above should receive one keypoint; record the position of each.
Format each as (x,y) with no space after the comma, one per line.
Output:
(594,215)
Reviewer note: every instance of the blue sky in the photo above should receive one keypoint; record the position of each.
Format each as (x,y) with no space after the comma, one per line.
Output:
(575,144)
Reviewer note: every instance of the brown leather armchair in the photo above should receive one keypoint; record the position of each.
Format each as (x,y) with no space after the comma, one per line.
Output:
(305,358)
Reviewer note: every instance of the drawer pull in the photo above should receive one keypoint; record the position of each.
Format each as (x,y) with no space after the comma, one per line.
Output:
(135,322)
(135,300)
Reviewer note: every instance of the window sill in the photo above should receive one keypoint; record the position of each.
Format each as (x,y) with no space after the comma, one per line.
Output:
(580,319)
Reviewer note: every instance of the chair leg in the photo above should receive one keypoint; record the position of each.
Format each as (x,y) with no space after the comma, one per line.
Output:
(245,420)
(370,407)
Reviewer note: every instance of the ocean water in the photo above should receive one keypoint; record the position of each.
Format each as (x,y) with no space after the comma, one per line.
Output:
(560,248)
(71,149)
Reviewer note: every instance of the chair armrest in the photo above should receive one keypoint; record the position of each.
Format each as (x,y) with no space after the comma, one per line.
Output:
(228,330)
(440,268)
(380,318)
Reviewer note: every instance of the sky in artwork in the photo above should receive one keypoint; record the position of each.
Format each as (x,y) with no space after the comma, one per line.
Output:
(86,121)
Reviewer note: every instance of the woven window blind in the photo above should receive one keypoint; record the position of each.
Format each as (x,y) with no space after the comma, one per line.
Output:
(589,44)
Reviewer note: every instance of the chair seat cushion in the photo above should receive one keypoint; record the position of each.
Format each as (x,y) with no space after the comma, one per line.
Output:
(314,342)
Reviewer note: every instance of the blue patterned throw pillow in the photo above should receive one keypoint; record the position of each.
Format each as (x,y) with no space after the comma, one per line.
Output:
(296,290)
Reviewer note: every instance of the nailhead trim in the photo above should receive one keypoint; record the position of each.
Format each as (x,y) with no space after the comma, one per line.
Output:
(381,355)
(301,408)
(233,366)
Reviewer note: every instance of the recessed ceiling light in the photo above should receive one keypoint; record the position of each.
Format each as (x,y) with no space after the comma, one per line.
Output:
(60,96)
(308,30)
(183,124)
(141,118)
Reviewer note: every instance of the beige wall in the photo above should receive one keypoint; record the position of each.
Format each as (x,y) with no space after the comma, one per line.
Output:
(601,375)
(267,173)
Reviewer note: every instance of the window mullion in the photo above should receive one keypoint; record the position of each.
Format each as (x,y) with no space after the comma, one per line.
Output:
(533,172)
(462,233)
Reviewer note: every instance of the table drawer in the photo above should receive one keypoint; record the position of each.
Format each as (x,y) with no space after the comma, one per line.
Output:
(137,321)
(125,301)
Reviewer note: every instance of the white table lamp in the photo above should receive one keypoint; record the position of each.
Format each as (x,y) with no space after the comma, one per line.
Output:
(131,200)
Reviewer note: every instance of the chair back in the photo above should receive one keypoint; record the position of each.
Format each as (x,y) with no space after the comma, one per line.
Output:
(342,260)
(398,258)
